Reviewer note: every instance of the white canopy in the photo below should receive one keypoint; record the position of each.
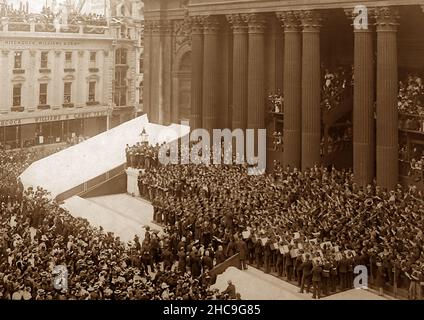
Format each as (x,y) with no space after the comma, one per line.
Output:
(73,166)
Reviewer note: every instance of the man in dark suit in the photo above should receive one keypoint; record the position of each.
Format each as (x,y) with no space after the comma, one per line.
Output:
(231,290)
(242,250)
(316,280)
(306,273)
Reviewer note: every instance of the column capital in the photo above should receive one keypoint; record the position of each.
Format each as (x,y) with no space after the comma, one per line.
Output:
(289,20)
(310,20)
(237,22)
(148,26)
(196,23)
(211,24)
(361,25)
(160,27)
(256,22)
(386,18)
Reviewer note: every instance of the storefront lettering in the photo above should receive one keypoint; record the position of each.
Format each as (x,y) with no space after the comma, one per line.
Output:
(53,118)
(11,122)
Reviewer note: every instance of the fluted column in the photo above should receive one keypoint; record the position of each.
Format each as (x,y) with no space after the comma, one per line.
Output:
(387,90)
(363,105)
(196,72)
(165,112)
(240,63)
(256,71)
(311,89)
(210,73)
(156,67)
(292,85)
(147,39)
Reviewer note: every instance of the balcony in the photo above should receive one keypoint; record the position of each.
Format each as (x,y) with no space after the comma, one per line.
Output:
(68,105)
(93,70)
(18,71)
(17,109)
(43,107)
(92,103)
(45,70)
(69,70)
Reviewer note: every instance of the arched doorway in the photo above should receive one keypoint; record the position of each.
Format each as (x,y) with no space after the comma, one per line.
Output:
(182,92)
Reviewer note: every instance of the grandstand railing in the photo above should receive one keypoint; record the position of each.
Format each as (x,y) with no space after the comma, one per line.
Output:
(233,261)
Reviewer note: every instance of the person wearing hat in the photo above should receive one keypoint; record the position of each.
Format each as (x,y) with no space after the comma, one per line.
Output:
(306,268)
(316,279)
(230,291)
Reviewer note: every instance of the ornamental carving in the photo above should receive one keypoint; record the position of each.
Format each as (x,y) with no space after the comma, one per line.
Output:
(311,20)
(289,20)
(256,22)
(211,24)
(182,34)
(237,22)
(386,18)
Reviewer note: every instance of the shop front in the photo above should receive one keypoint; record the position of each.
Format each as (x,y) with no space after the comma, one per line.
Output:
(50,129)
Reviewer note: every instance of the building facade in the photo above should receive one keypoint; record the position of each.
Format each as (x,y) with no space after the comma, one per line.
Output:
(215,62)
(68,78)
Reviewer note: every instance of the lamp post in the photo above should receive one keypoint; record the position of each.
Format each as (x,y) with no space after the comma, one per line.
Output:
(144,136)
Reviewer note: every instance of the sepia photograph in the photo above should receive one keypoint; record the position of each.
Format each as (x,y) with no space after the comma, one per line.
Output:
(211,150)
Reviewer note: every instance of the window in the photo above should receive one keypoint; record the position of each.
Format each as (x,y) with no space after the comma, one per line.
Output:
(121,56)
(68,59)
(120,87)
(18,60)
(67,95)
(43,94)
(44,59)
(93,56)
(17,89)
(92,91)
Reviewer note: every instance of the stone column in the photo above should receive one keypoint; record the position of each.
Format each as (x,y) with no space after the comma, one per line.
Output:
(196,72)
(82,84)
(363,105)
(146,67)
(256,71)
(165,112)
(387,91)
(240,63)
(292,85)
(156,68)
(31,85)
(311,89)
(271,55)
(6,96)
(211,98)
(57,80)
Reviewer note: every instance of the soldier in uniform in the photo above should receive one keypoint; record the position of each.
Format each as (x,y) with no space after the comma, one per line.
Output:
(306,273)
(316,280)
(326,276)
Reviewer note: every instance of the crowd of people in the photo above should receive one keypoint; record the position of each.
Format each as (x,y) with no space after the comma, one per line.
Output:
(142,155)
(411,95)
(335,84)
(339,138)
(313,227)
(38,237)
